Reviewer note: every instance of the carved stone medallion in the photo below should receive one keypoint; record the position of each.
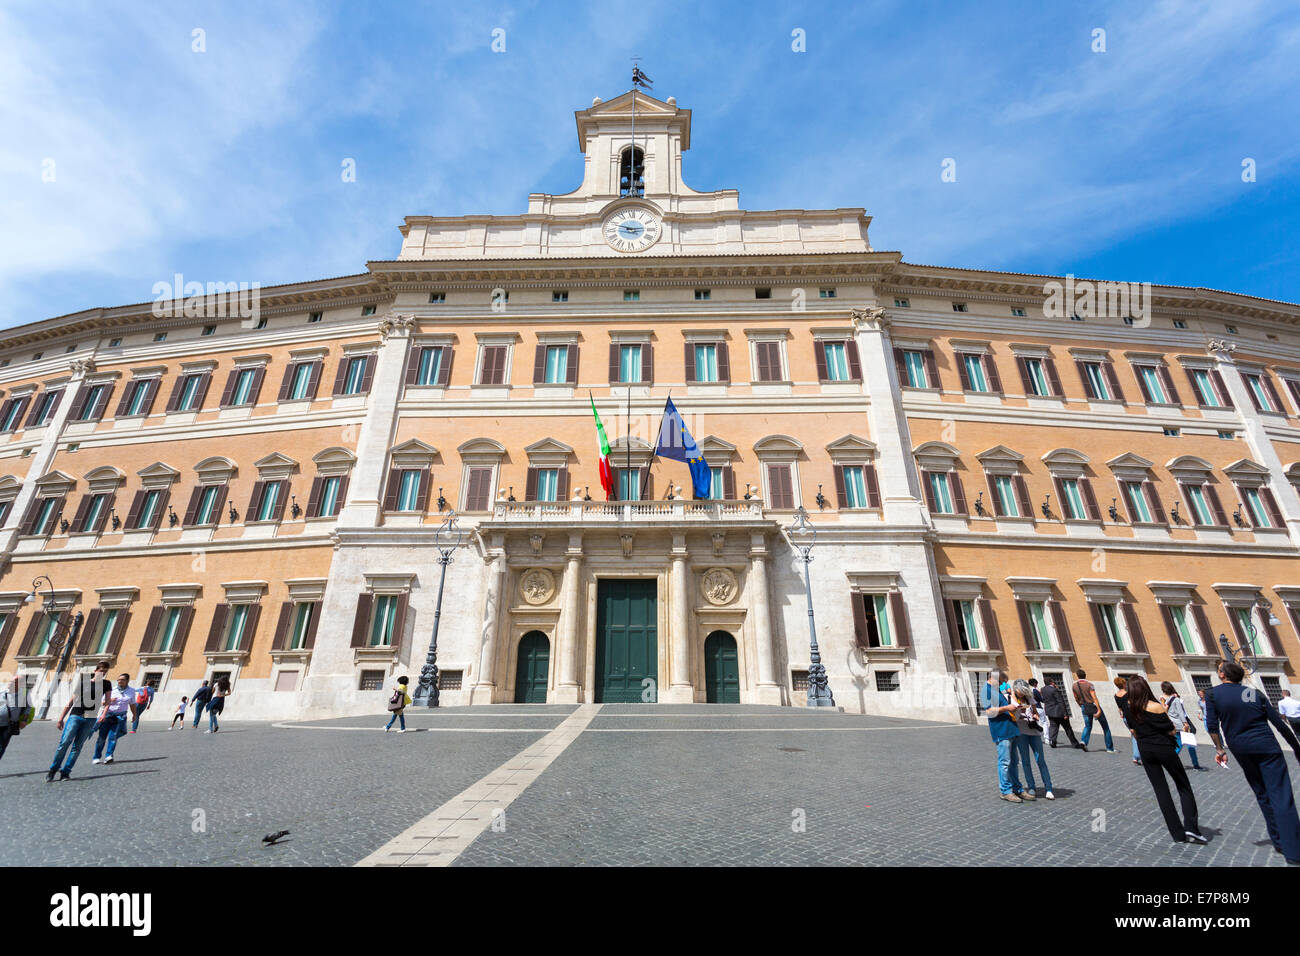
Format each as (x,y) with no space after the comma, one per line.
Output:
(537,585)
(719,586)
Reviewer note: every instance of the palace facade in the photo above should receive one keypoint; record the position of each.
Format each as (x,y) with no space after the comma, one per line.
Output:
(992,485)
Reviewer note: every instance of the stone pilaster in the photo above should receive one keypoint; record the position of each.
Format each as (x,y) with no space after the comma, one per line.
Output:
(767,690)
(567,689)
(484,689)
(680,690)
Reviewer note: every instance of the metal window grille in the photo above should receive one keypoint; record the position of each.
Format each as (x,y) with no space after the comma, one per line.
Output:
(450,680)
(887,681)
(372,680)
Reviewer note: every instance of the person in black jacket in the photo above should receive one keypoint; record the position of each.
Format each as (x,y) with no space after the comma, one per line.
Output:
(1058,714)
(201,698)
(1156,739)
(1241,716)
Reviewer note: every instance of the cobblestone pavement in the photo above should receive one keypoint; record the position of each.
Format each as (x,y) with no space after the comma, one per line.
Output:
(663,784)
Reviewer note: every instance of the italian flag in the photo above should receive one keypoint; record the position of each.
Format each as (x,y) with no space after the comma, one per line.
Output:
(606,474)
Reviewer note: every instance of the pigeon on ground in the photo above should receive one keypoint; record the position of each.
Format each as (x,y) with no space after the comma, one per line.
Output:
(272,838)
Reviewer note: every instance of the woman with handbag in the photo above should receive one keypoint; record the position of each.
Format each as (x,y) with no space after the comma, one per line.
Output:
(1178,715)
(1158,742)
(397,702)
(1030,740)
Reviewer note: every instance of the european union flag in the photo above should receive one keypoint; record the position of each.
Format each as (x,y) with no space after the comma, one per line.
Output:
(675,442)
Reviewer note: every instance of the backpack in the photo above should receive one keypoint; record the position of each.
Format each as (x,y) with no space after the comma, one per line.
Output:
(142,697)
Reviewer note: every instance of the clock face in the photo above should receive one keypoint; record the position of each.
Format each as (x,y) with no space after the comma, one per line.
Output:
(631,230)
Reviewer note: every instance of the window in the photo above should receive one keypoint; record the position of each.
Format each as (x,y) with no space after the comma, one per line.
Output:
(12,413)
(780,487)
(367,310)
(44,523)
(1272,687)
(560,296)
(1202,682)
(887,681)
(300,381)
(92,402)
(450,680)
(631,172)
(629,363)
(940,493)
(972,367)
(1180,323)
(1018,313)
(1039,630)
(855,486)
(1209,388)
(408,489)
(354,377)
(269,507)
(902,304)
(1255,508)
(914,367)
(371,680)
(1072,499)
(150,509)
(1200,507)
(1094,381)
(1004,491)
(382,627)
(112,344)
(631,295)
(702,357)
(703,295)
(1247,630)
(959,307)
(1035,376)
(138,399)
(160,337)
(629,484)
(492,367)
(304,612)
(478,489)
(243,391)
(437,298)
(1129,320)
(331,495)
(767,357)
(798,681)
(37,356)
(765,293)
(1137,502)
(239,615)
(261,323)
(1169,432)
(315,317)
(825,293)
(1182,628)
(557,365)
(1227,436)
(427,366)
(1230,329)
(875,623)
(838,362)
(1108,615)
(547,484)
(1076,317)
(95,509)
(101,641)
(1152,388)
(717,489)
(190,392)
(170,629)
(1262,393)
(968,633)
(45,406)
(206,513)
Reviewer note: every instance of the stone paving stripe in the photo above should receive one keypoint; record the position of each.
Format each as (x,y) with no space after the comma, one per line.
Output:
(425,730)
(455,825)
(756,730)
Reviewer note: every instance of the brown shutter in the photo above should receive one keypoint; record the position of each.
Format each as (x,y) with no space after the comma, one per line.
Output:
(1060,498)
(1022,494)
(1134,627)
(1270,505)
(87,632)
(819,355)
(994,498)
(855,360)
(991,372)
(343,492)
(841,498)
(873,486)
(250,513)
(1026,629)
(125,401)
(413,365)
(530,485)
(724,362)
(7,632)
(1108,369)
(990,622)
(1153,499)
(313,497)
(201,391)
(1171,629)
(613,363)
(648,363)
(217,630)
(368,373)
(1171,391)
(282,622)
(958,493)
(900,366)
(780,486)
(1216,506)
(1083,376)
(104,512)
(29,519)
(929,492)
(903,631)
(931,369)
(1204,631)
(959,359)
(647,490)
(313,378)
(133,514)
(183,628)
(161,510)
(228,392)
(174,400)
(219,504)
(250,627)
(1023,368)
(119,633)
(857,602)
(478,492)
(281,500)
(309,639)
(1142,384)
(954,635)
(287,382)
(258,375)
(399,617)
(149,642)
(444,365)
(340,376)
(562,484)
(690,361)
(393,488)
(1089,499)
(1053,377)
(1062,626)
(1294,388)
(1222,389)
(1102,639)
(361,623)
(422,495)
(29,636)
(728,483)
(539,364)
(79,518)
(78,404)
(571,366)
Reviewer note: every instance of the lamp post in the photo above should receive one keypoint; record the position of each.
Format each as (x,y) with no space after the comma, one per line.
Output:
(63,638)
(1245,656)
(446,540)
(802,536)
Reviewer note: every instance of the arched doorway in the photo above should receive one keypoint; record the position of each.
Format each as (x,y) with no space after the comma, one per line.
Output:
(534,666)
(721,669)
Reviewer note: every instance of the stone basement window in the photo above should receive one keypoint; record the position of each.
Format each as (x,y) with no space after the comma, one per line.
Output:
(450,680)
(799,681)
(887,681)
(371,680)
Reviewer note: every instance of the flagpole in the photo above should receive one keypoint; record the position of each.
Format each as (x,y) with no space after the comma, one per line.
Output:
(654,452)
(627,443)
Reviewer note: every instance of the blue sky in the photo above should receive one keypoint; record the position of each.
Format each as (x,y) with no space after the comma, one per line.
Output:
(225,165)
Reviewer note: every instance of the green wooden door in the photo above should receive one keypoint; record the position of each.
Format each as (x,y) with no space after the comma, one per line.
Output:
(627,642)
(721,669)
(534,665)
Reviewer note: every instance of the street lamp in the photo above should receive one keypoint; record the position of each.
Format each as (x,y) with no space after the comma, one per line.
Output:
(802,536)
(63,636)
(1245,656)
(446,540)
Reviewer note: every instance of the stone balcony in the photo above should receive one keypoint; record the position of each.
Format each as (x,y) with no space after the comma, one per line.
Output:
(680,511)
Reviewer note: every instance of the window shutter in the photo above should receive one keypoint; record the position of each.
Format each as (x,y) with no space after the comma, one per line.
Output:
(413,365)
(728,483)
(254,501)
(313,378)
(931,369)
(959,359)
(819,355)
(1171,392)
(1250,393)
(1062,627)
(539,364)
(391,491)
(994,498)
(87,633)
(399,617)
(690,361)
(228,392)
(779,484)
(1089,499)
(614,375)
(1274,641)
(1060,498)
(29,519)
(571,367)
(282,623)
(444,366)
(1053,377)
(78,404)
(309,640)
(1022,494)
(1153,499)
(647,490)
(56,514)
(125,401)
(991,632)
(1142,385)
(79,519)
(220,503)
(29,636)
(855,360)
(340,377)
(7,632)
(1083,376)
(281,500)
(287,383)
(174,399)
(1270,505)
(648,363)
(954,635)
(1134,627)
(1026,629)
(201,390)
(841,498)
(1108,369)
(133,514)
(724,362)
(1273,396)
(161,510)
(991,372)
(530,485)
(873,486)
(929,492)
(495,362)
(368,373)
(149,642)
(313,497)
(218,628)
(562,485)
(250,627)
(1023,368)
(1216,506)
(1204,633)
(1102,639)
(104,512)
(479,490)
(361,623)
(422,496)
(902,630)
(1294,388)
(1167,614)
(900,366)
(22,410)
(958,493)
(1222,389)
(858,603)
(183,628)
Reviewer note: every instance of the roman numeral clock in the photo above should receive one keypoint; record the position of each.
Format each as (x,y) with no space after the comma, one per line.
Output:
(632,230)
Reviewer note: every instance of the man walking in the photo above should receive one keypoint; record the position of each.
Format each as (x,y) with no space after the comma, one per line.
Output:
(1241,717)
(201,698)
(1086,696)
(112,723)
(1289,708)
(77,722)
(1003,730)
(1058,715)
(143,701)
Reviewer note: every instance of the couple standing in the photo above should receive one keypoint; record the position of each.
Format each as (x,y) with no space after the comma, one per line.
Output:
(1016,732)
(109,703)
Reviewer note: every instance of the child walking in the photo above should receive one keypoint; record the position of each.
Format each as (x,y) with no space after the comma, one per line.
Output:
(180,714)
(397,704)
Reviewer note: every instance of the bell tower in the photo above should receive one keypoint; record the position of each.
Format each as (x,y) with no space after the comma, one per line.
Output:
(633,153)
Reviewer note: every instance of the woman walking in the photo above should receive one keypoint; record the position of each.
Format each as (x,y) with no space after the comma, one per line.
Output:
(1156,736)
(1121,701)
(1178,716)
(220,691)
(1030,740)
(397,704)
